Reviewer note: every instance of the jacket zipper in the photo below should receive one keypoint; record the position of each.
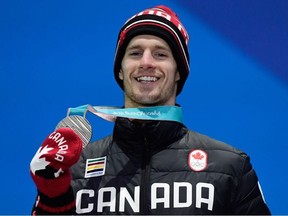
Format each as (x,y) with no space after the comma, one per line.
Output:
(145,179)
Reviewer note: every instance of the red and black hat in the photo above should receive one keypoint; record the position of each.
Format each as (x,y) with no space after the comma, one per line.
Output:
(162,22)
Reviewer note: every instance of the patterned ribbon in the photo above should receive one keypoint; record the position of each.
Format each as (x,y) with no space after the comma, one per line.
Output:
(159,113)
(76,117)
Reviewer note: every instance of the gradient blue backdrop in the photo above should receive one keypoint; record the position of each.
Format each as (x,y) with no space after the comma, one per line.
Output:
(59,54)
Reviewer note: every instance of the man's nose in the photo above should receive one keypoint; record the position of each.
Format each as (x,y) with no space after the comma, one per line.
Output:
(147,59)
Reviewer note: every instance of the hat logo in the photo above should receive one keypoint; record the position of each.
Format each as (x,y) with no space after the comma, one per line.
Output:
(169,15)
(197,160)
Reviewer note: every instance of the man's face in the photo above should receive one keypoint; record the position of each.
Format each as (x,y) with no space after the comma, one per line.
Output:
(149,72)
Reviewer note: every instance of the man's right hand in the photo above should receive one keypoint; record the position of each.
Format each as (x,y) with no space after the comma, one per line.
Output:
(49,167)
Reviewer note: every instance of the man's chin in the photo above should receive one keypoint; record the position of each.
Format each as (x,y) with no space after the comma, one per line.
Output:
(150,100)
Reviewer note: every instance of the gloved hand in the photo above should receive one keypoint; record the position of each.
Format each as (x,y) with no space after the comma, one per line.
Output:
(49,167)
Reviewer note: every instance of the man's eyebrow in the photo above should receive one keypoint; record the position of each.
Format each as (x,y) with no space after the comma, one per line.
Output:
(133,47)
(162,47)
(138,46)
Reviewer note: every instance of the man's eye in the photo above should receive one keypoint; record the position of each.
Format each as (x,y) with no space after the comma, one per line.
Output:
(135,53)
(160,55)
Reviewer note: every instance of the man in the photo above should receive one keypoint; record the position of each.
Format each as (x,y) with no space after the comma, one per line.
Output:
(146,166)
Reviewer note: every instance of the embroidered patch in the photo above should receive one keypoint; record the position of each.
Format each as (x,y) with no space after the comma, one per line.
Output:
(95,167)
(197,160)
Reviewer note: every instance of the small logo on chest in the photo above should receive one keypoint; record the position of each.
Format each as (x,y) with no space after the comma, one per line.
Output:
(197,160)
(95,167)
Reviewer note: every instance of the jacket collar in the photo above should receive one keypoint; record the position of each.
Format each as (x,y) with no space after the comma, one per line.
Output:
(138,135)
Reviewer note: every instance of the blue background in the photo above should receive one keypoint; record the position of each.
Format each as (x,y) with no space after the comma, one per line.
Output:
(59,54)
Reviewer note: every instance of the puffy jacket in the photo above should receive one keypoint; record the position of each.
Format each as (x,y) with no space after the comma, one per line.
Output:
(164,168)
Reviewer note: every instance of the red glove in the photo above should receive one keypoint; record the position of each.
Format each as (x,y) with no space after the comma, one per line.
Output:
(49,167)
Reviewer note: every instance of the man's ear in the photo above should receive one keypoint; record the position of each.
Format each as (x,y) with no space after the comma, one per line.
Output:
(120,74)
(177,76)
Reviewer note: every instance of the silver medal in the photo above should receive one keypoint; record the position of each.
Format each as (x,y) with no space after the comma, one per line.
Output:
(79,125)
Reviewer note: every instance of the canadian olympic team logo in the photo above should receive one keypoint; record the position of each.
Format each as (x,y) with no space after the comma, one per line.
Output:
(197,160)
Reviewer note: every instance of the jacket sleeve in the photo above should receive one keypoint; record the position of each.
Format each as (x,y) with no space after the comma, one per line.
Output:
(249,199)
(62,205)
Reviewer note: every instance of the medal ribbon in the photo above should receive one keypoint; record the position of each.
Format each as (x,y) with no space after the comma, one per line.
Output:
(160,113)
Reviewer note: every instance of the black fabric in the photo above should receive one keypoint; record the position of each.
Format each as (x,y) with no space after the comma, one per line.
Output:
(135,136)
(147,161)
(142,156)
(60,204)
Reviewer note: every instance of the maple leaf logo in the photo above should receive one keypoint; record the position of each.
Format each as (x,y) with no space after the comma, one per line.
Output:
(198,156)
(198,160)
(37,162)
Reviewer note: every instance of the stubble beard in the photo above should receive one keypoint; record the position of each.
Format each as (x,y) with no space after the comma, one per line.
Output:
(145,97)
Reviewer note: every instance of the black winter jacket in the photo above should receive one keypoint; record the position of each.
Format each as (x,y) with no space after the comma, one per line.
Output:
(159,168)
(163,168)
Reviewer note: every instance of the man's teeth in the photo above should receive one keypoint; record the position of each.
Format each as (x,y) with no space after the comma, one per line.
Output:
(147,79)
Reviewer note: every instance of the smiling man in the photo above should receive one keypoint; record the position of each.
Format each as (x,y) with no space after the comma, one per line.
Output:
(148,166)
(149,72)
